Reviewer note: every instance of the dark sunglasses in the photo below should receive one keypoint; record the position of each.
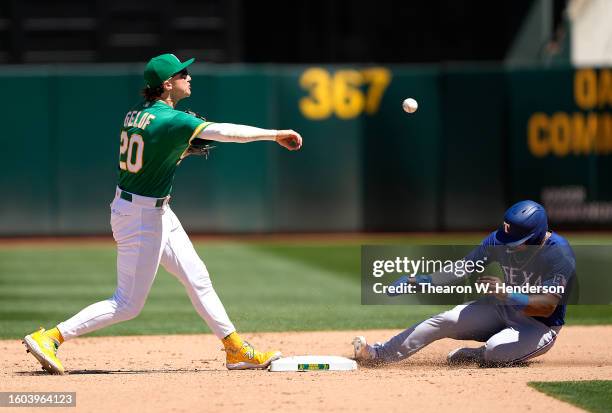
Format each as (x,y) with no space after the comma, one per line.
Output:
(183,73)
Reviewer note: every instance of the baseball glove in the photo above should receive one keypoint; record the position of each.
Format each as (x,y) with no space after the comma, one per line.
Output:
(198,147)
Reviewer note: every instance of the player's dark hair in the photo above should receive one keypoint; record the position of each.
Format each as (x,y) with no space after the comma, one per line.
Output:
(152,93)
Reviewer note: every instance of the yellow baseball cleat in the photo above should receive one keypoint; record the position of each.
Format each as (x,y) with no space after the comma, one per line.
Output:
(246,357)
(45,350)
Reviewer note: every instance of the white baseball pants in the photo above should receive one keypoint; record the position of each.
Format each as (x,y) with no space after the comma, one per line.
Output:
(147,236)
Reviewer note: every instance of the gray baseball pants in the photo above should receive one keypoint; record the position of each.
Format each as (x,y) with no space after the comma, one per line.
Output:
(509,335)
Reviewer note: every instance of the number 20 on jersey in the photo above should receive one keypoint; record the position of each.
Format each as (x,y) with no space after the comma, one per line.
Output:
(130,152)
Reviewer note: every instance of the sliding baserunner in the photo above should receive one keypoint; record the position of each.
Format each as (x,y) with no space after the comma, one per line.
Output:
(513,326)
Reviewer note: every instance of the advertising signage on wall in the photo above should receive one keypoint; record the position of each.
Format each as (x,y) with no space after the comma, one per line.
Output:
(561,142)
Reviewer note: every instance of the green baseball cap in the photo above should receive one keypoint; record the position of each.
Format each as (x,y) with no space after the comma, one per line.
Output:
(162,68)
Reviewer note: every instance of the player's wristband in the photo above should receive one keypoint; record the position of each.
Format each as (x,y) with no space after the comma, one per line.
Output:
(519,300)
(423,279)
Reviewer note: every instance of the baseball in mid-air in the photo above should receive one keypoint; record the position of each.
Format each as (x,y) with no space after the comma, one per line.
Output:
(410,105)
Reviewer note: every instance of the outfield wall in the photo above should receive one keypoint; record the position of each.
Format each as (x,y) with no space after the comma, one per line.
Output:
(482,138)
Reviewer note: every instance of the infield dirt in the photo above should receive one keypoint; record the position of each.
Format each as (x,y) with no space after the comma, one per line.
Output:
(187,373)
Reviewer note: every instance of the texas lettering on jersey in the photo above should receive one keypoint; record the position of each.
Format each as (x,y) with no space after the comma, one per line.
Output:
(516,276)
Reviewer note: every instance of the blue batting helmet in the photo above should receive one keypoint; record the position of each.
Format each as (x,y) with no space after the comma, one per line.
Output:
(524,222)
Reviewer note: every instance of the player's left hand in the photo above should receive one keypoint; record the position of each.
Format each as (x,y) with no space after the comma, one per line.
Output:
(492,282)
(289,139)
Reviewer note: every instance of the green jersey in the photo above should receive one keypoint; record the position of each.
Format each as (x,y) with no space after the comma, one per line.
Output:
(154,138)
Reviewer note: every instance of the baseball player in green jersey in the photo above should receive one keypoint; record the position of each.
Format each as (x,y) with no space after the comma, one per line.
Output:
(154,138)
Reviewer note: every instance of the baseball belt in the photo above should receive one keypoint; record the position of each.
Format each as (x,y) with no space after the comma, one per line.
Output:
(159,202)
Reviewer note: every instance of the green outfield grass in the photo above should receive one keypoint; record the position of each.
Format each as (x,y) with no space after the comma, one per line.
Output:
(594,395)
(265,286)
